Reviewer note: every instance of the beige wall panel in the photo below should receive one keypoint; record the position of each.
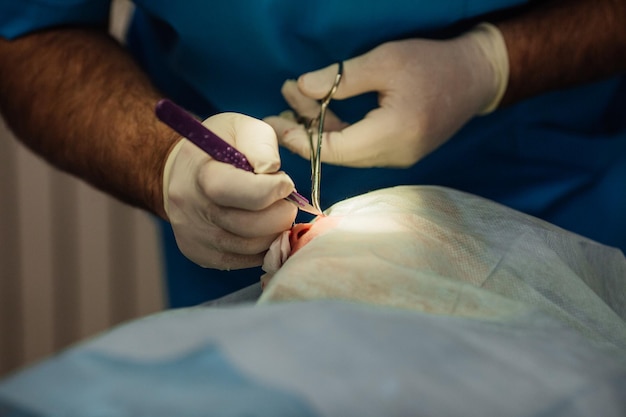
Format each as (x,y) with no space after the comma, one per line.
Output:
(35,254)
(11,327)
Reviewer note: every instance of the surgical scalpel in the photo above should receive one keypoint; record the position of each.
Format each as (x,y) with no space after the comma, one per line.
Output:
(188,126)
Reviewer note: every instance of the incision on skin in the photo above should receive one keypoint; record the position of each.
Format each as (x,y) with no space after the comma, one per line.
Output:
(303,233)
(290,242)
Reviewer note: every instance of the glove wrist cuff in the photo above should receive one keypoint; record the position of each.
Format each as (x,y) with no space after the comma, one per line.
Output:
(167,171)
(490,40)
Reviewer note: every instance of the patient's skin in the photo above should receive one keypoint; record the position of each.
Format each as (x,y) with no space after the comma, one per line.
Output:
(389,227)
(423,248)
(303,233)
(361,225)
(290,242)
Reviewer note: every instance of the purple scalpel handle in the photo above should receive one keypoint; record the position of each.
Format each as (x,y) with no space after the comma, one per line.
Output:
(188,126)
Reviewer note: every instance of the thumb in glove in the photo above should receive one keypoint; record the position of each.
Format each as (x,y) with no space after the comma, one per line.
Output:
(427,90)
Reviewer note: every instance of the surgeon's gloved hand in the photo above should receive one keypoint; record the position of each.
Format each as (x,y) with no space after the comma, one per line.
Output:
(427,91)
(224,217)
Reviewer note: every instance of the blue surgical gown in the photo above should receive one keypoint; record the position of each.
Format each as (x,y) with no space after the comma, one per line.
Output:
(560,156)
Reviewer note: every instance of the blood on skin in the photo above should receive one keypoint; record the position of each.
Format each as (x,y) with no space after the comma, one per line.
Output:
(303,233)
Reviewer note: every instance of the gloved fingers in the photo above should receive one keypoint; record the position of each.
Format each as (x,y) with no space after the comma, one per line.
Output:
(224,261)
(210,246)
(360,75)
(252,137)
(233,252)
(294,136)
(363,144)
(255,224)
(307,107)
(228,186)
(291,135)
(224,217)
(304,106)
(427,90)
(367,143)
(230,261)
(226,242)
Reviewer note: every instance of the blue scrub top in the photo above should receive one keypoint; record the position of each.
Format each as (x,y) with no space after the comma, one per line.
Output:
(560,156)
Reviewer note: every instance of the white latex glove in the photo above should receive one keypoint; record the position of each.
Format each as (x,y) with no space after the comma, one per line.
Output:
(427,90)
(275,257)
(224,217)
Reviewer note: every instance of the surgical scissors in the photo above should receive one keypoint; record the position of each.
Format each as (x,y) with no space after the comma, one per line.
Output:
(316,148)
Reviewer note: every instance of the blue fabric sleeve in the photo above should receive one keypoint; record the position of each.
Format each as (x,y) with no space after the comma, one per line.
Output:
(24,16)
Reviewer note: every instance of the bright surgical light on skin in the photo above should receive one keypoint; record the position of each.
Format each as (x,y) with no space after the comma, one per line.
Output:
(349,224)
(364,223)
(369,214)
(378,226)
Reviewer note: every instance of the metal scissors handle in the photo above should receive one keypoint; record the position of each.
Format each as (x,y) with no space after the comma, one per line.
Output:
(316,148)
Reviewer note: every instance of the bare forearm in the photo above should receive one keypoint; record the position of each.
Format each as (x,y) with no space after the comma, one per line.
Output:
(75,97)
(561,43)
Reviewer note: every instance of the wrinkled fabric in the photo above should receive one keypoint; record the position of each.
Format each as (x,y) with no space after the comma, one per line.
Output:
(419,300)
(325,358)
(443,251)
